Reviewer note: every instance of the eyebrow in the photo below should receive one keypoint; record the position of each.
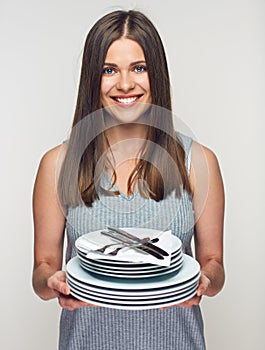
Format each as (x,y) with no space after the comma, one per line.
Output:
(131,64)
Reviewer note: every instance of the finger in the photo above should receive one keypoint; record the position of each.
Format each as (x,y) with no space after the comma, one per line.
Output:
(203,285)
(71,303)
(61,275)
(187,304)
(191,302)
(184,304)
(201,290)
(57,283)
(58,286)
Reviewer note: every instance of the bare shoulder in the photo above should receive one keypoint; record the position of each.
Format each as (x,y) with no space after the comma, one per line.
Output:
(204,166)
(51,158)
(51,161)
(200,151)
(49,167)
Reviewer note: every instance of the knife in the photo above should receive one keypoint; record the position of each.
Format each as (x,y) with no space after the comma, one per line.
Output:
(137,239)
(141,247)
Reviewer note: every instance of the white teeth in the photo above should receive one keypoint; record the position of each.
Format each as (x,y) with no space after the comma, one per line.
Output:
(126,100)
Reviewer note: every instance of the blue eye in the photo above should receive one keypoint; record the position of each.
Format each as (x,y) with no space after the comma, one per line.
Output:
(108,71)
(140,69)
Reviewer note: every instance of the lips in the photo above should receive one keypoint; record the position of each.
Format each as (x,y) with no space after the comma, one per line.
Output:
(126,99)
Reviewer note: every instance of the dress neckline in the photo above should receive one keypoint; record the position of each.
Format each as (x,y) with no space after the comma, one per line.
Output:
(116,188)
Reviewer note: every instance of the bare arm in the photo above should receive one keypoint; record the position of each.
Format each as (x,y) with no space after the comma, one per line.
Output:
(208,204)
(49,224)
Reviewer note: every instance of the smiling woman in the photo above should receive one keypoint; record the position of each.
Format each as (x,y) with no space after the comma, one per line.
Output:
(110,77)
(124,165)
(125,79)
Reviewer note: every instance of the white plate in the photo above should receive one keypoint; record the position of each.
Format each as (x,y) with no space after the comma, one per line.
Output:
(189,269)
(136,293)
(94,240)
(134,275)
(115,269)
(111,264)
(135,306)
(129,271)
(75,287)
(139,302)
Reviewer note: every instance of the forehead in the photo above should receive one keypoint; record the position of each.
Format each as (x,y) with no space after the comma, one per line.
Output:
(124,50)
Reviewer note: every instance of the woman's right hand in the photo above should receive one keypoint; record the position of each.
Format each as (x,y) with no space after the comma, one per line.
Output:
(57,282)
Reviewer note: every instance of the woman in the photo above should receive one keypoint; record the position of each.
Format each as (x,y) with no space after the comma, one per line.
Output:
(125,166)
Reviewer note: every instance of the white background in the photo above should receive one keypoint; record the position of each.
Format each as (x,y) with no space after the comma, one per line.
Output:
(216,56)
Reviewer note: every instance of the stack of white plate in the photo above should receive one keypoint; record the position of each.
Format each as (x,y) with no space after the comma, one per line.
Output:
(136,293)
(133,285)
(115,267)
(120,269)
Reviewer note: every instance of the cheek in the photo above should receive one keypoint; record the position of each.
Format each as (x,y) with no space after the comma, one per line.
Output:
(144,82)
(106,85)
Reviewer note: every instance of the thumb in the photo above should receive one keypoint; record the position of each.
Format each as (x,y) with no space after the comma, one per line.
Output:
(57,282)
(201,290)
(203,285)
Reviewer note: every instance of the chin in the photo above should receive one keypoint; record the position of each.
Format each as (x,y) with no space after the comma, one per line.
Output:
(124,114)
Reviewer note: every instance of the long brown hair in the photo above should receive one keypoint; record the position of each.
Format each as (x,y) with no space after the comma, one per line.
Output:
(78,182)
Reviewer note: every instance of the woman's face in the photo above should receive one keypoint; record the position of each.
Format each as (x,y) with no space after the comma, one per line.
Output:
(125,84)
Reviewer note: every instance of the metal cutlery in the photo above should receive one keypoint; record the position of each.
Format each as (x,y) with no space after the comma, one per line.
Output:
(137,239)
(142,247)
(121,245)
(124,245)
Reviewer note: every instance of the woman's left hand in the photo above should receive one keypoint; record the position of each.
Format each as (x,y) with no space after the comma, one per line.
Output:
(204,283)
(202,288)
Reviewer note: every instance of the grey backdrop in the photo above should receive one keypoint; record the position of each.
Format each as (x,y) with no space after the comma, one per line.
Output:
(216,55)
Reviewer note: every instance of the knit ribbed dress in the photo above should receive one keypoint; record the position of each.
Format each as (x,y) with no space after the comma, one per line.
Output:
(100,328)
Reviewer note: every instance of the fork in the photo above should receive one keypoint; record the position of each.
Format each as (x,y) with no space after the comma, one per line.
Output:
(124,245)
(126,235)
(144,245)
(102,250)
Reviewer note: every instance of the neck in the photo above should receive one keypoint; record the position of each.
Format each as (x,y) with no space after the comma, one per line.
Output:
(126,142)
(125,132)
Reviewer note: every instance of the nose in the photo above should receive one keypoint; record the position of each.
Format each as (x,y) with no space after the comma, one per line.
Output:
(125,82)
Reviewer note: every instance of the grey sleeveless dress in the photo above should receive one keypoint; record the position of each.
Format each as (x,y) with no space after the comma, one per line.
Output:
(99,328)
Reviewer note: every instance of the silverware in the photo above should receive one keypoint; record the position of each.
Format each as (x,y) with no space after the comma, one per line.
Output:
(143,247)
(121,245)
(102,249)
(124,245)
(137,239)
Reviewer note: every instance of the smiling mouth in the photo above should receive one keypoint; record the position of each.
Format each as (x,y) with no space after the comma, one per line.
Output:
(126,100)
